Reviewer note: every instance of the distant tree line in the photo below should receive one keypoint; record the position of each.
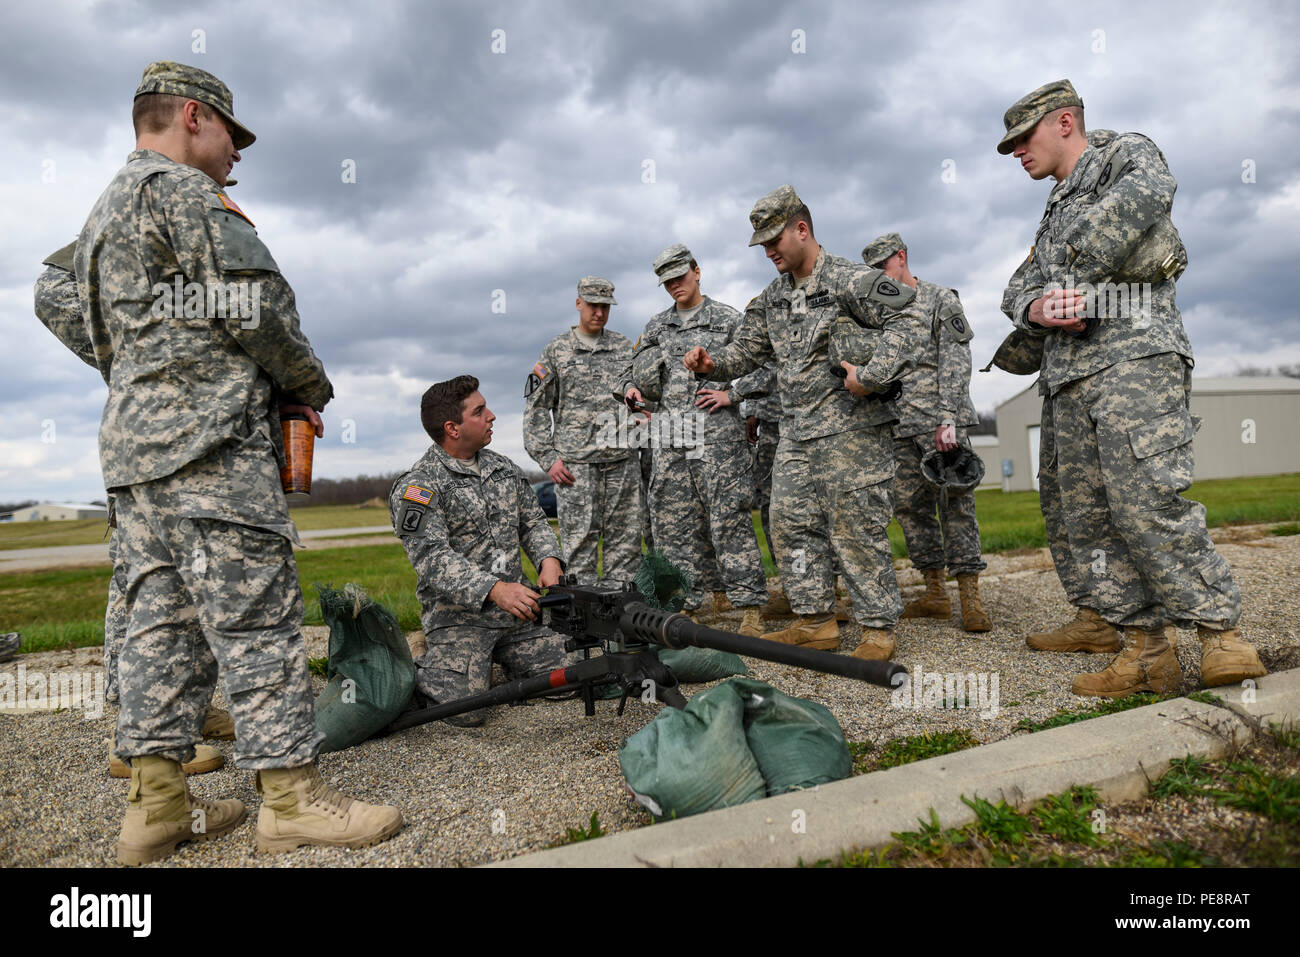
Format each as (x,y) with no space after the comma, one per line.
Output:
(350,491)
(988,424)
(1291,371)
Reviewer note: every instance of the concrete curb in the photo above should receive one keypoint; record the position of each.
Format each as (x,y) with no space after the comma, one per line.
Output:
(1117,755)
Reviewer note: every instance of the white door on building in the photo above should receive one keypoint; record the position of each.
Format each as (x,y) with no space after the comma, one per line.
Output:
(1033,454)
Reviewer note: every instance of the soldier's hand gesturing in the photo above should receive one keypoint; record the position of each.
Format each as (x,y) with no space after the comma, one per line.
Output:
(697,360)
(518,600)
(1060,309)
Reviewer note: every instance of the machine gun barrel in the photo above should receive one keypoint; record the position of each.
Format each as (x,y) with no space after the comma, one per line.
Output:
(678,631)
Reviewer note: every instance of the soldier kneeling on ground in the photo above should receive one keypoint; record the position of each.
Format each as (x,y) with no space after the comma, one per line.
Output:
(462,513)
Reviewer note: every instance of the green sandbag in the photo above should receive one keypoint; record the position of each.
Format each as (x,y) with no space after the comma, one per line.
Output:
(688,761)
(797,743)
(371,674)
(695,665)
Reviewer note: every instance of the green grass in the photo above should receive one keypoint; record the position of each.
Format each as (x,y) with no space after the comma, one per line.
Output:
(1251,788)
(1068,817)
(93,531)
(65,607)
(311,517)
(576,835)
(81,531)
(1287,528)
(1186,777)
(1105,708)
(1168,854)
(921,746)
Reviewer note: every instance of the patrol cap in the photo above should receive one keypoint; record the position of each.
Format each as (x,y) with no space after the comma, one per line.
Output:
(672,262)
(1029,109)
(593,289)
(881,248)
(177,79)
(770,213)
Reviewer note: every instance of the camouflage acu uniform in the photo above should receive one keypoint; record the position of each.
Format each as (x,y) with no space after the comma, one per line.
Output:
(570,414)
(1119,395)
(935,392)
(702,490)
(191,447)
(830,491)
(59,309)
(764,404)
(462,531)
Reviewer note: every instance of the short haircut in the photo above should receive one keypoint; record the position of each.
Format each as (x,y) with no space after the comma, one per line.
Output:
(442,403)
(800,215)
(694,265)
(1077,112)
(153,112)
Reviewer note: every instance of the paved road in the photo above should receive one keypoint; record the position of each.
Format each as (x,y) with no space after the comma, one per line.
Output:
(75,556)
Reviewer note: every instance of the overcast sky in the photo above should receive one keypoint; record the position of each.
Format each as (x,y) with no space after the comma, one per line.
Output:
(503,150)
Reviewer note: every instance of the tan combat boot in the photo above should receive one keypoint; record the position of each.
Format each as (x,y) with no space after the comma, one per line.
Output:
(299,808)
(1088,632)
(160,813)
(1227,659)
(933,602)
(810,631)
(877,644)
(751,624)
(721,604)
(973,617)
(218,726)
(1149,665)
(206,758)
(778,605)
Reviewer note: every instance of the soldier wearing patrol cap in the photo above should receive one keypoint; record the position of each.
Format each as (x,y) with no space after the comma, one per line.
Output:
(572,431)
(1098,288)
(702,487)
(834,463)
(191,447)
(934,412)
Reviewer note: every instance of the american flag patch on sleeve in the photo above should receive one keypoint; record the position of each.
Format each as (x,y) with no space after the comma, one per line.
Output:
(414,493)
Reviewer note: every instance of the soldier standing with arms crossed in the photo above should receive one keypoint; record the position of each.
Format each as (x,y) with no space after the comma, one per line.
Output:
(934,412)
(1098,286)
(597,482)
(190,446)
(830,490)
(700,496)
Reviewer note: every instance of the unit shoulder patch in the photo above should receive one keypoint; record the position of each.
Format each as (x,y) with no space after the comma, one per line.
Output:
(895,295)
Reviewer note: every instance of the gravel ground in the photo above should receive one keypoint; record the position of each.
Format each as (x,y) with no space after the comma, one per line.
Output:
(471,796)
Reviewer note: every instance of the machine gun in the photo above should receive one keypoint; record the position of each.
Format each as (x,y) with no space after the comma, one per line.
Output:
(617,619)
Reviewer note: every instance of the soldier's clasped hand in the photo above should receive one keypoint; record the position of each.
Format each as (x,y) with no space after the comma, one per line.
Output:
(1060,309)
(712,400)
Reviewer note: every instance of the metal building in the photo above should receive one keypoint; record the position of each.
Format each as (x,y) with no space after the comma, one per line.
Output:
(1249,425)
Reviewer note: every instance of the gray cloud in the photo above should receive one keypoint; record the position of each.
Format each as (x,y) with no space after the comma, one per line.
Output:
(524,170)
